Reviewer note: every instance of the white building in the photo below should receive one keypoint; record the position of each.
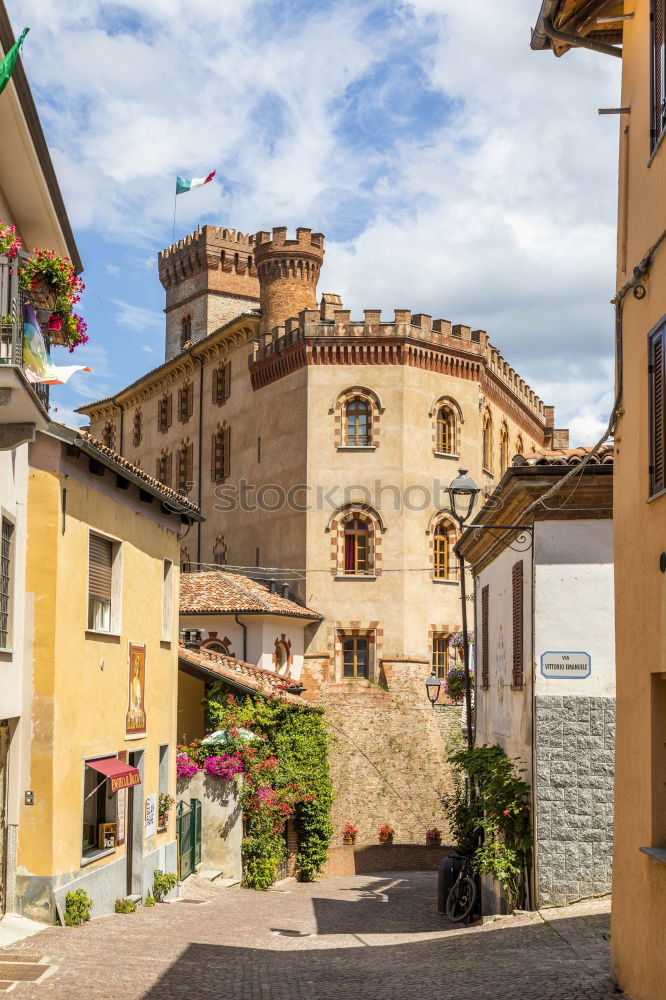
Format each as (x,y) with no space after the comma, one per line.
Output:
(30,200)
(545,660)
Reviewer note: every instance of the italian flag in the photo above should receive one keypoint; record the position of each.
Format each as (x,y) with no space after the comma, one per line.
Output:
(184,184)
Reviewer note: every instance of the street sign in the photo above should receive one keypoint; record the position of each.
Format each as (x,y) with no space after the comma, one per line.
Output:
(566,666)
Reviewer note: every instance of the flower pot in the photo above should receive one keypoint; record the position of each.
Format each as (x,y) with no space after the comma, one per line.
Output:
(162,822)
(433,841)
(42,295)
(386,838)
(348,839)
(54,324)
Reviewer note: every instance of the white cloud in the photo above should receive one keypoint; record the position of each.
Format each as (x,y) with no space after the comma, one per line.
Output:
(492,204)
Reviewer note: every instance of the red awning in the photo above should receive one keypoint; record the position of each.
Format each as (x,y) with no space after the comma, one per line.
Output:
(122,775)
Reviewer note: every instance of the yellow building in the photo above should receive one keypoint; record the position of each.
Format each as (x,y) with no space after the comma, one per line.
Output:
(637,32)
(101,643)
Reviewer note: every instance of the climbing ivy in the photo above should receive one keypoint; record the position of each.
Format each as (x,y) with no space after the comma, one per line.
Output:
(286,775)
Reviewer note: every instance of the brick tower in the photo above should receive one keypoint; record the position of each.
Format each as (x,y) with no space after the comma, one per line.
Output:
(288,273)
(210,277)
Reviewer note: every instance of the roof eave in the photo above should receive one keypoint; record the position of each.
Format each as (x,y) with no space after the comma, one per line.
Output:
(540,40)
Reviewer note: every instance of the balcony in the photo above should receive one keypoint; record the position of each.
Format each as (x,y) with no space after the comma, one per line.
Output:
(11,324)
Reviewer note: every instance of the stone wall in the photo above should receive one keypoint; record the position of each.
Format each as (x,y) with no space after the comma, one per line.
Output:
(353,860)
(575,754)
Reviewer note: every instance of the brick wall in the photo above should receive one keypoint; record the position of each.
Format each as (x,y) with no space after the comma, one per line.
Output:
(575,755)
(354,860)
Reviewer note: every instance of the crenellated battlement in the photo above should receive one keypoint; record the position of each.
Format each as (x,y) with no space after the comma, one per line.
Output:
(379,340)
(208,248)
(306,242)
(288,272)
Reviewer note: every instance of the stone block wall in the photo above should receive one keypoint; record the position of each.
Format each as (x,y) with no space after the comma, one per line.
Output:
(575,762)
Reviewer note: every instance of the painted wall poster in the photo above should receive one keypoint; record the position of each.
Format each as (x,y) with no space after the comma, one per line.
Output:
(135,720)
(151,815)
(121,800)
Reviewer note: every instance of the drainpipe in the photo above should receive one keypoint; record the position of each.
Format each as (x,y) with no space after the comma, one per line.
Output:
(579,41)
(244,627)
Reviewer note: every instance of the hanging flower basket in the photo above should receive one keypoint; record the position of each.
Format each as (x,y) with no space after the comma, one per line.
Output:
(54,324)
(41,295)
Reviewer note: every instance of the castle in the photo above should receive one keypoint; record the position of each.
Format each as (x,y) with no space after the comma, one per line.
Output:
(318,447)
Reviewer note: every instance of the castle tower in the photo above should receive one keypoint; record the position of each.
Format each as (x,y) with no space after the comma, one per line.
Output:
(288,273)
(210,277)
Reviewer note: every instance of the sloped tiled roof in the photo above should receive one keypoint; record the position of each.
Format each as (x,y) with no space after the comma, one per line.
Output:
(232,593)
(235,671)
(91,445)
(567,456)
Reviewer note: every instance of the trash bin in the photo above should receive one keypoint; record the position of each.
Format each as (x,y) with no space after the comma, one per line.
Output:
(446,876)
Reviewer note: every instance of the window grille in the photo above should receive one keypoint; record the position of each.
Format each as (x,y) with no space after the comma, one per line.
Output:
(658,67)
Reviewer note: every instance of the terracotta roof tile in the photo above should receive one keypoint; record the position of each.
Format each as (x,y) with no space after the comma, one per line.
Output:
(566,456)
(262,681)
(219,591)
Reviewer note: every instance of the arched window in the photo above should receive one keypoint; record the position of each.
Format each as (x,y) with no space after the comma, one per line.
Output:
(519,445)
(184,560)
(357,422)
(357,547)
(185,331)
(109,434)
(442,541)
(138,428)
(487,442)
(446,431)
(216,646)
(504,449)
(220,551)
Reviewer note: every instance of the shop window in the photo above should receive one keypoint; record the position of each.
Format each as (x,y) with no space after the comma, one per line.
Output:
(6,570)
(657,407)
(440,655)
(167,600)
(104,583)
(99,815)
(358,416)
(355,656)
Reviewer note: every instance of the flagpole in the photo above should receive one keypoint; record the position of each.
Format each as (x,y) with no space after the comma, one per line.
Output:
(173,231)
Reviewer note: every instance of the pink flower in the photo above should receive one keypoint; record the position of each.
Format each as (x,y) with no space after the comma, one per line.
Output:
(505,812)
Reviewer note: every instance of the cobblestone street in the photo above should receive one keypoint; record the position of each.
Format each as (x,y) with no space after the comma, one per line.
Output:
(368,937)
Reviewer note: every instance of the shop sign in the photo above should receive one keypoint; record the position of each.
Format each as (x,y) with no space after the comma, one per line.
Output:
(566,665)
(151,815)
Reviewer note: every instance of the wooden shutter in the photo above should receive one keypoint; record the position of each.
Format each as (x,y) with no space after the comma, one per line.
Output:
(227,380)
(517,584)
(190,465)
(484,637)
(168,413)
(158,469)
(657,410)
(180,460)
(167,477)
(99,568)
(190,400)
(227,452)
(658,32)
(181,416)
(215,380)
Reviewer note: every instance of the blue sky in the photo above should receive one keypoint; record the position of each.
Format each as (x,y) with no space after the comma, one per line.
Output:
(453,170)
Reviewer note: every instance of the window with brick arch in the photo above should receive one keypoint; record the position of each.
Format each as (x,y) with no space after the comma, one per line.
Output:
(358,422)
(220,454)
(164,412)
(440,655)
(185,331)
(446,431)
(443,537)
(164,468)
(520,447)
(504,449)
(487,443)
(185,402)
(185,564)
(221,382)
(357,547)
(109,434)
(138,428)
(220,551)
(355,659)
(185,468)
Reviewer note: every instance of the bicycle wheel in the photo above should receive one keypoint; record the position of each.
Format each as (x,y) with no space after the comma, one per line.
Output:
(461,899)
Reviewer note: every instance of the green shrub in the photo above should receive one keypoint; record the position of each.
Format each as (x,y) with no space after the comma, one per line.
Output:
(125,906)
(163,883)
(149,901)
(77,907)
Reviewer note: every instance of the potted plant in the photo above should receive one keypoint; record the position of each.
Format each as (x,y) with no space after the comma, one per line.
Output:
(10,243)
(51,283)
(456,643)
(434,836)
(385,834)
(454,685)
(165,804)
(349,833)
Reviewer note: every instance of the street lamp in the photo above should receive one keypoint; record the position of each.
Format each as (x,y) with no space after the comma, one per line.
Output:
(433,684)
(463,492)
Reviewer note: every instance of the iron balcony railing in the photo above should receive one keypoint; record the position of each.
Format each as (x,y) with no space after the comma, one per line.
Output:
(11,321)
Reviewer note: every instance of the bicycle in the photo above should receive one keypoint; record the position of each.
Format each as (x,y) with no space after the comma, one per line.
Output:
(462,895)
